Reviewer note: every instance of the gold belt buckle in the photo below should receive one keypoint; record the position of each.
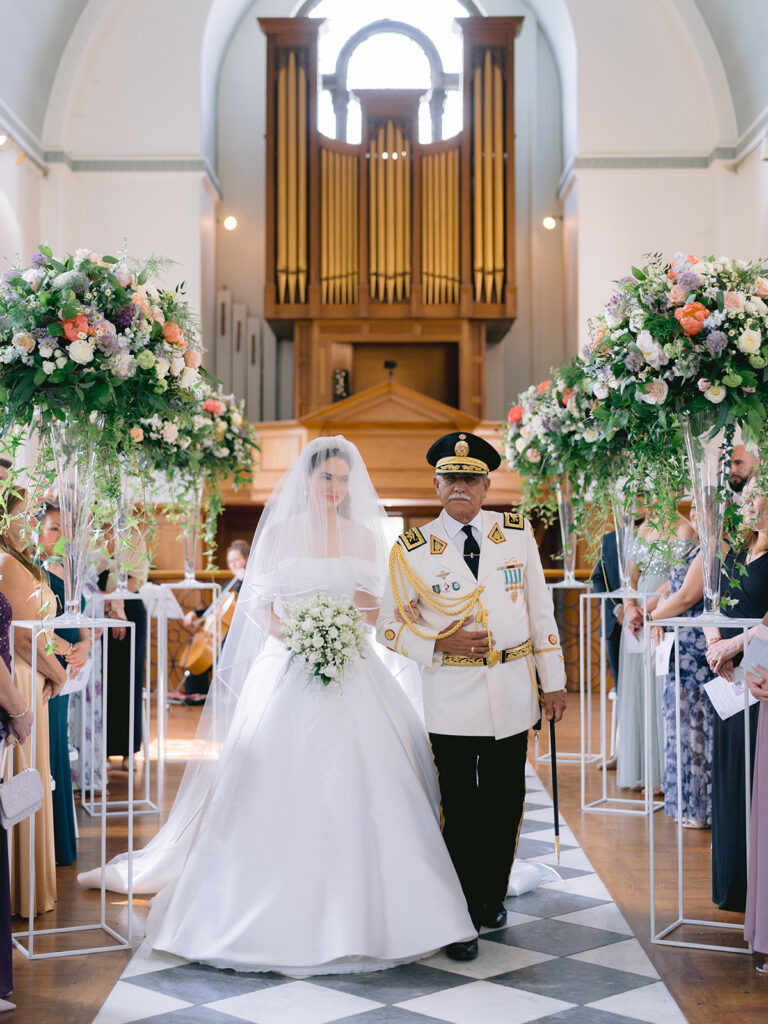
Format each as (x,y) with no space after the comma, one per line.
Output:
(494,657)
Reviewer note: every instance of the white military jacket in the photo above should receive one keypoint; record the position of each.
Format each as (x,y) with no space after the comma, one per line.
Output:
(479,700)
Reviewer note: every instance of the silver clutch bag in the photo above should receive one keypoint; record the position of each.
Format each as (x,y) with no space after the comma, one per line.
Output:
(21,795)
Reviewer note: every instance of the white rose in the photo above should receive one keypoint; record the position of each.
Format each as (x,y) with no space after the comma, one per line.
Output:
(170,432)
(591,435)
(48,367)
(162,366)
(188,377)
(702,269)
(715,394)
(521,444)
(85,254)
(237,419)
(177,365)
(61,361)
(756,305)
(636,320)
(81,351)
(656,392)
(600,390)
(652,352)
(749,341)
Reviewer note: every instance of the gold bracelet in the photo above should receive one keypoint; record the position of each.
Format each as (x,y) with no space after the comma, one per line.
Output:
(21,713)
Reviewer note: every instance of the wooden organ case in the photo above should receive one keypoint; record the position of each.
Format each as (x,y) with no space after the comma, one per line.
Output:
(391,249)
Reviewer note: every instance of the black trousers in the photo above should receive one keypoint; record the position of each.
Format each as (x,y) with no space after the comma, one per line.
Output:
(482,788)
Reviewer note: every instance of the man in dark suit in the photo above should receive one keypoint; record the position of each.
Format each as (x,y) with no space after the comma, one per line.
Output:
(605,578)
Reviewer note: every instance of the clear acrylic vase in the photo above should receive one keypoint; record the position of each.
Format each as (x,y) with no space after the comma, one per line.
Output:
(623,505)
(74,447)
(708,451)
(194,500)
(567,528)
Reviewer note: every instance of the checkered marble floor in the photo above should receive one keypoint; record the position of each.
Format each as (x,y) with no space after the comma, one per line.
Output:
(566,956)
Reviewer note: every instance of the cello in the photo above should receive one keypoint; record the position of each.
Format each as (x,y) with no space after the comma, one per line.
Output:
(215,620)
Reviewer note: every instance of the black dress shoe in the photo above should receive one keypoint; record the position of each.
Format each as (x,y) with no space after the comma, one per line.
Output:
(494,915)
(462,950)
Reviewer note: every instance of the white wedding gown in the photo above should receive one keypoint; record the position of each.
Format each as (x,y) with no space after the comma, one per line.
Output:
(319,847)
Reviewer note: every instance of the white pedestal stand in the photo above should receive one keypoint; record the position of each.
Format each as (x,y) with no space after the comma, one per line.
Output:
(90,802)
(162,654)
(565,756)
(660,937)
(36,626)
(605,804)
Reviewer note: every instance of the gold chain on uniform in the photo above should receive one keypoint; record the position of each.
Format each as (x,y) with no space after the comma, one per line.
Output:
(460,606)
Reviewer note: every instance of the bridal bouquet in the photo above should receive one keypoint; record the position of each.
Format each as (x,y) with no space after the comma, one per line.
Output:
(328,633)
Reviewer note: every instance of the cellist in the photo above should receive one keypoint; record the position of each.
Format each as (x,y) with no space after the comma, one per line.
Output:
(194,688)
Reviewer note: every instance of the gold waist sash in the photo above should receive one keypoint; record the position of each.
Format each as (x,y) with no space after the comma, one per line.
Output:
(494,657)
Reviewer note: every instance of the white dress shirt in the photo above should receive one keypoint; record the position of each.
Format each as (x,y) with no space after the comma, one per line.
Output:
(455,530)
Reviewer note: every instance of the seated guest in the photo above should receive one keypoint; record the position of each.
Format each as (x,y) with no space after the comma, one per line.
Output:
(743,462)
(747,569)
(79,641)
(194,688)
(25,586)
(15,726)
(686,598)
(756,919)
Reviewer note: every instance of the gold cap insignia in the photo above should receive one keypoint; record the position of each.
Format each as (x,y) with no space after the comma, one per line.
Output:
(461,448)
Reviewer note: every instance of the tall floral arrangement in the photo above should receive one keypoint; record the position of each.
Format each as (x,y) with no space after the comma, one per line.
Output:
(90,335)
(683,336)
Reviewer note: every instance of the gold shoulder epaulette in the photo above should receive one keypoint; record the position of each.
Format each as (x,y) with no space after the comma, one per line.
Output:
(412,538)
(514,521)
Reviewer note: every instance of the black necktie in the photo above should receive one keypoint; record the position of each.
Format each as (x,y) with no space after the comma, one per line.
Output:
(471,550)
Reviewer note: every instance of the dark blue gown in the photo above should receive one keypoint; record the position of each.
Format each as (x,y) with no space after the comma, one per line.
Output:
(64,837)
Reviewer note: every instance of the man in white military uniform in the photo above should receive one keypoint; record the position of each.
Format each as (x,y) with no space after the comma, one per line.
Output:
(467,600)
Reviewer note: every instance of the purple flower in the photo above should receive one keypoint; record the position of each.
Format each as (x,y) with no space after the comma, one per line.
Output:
(716,342)
(585,351)
(124,317)
(634,362)
(616,306)
(689,281)
(38,260)
(108,344)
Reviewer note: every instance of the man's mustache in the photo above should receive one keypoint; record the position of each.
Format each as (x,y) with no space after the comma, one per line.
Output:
(458,495)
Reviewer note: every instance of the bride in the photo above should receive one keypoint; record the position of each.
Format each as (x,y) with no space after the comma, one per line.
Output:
(305,838)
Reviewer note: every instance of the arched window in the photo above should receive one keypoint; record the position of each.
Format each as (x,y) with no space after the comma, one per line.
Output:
(416,47)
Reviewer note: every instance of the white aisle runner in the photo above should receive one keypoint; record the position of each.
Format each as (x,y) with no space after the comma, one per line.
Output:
(566,956)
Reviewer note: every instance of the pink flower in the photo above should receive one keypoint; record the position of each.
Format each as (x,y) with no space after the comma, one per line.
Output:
(761,287)
(515,414)
(749,391)
(170,432)
(124,278)
(676,295)
(140,299)
(213,406)
(656,392)
(137,434)
(192,358)
(704,384)
(734,300)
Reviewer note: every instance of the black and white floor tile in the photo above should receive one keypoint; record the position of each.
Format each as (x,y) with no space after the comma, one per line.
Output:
(566,956)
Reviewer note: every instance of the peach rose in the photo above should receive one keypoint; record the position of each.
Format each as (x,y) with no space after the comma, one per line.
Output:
(24,341)
(75,327)
(761,287)
(137,434)
(192,358)
(544,386)
(140,299)
(676,295)
(734,300)
(173,334)
(691,316)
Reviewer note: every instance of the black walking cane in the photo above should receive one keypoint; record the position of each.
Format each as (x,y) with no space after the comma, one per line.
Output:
(553,765)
